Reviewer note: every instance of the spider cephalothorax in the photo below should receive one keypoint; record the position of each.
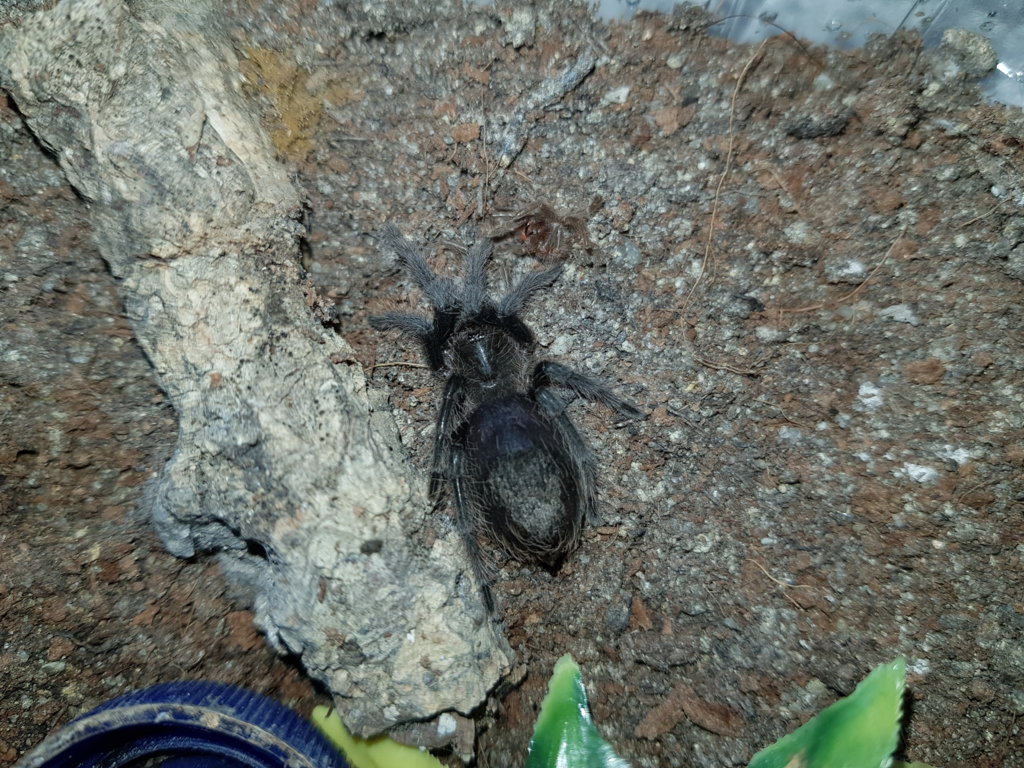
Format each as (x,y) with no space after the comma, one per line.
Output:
(519,472)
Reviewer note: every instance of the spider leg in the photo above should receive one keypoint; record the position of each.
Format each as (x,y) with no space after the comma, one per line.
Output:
(548,374)
(474,285)
(441,291)
(465,522)
(431,334)
(414,325)
(516,299)
(451,403)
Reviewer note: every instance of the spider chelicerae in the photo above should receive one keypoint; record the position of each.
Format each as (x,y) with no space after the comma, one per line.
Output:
(520,473)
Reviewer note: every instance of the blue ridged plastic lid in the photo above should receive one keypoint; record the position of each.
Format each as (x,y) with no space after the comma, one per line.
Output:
(187,724)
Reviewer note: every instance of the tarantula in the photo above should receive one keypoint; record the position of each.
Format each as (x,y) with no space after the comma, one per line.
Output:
(519,471)
(541,231)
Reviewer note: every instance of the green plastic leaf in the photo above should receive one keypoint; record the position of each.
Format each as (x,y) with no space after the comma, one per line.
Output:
(565,736)
(860,731)
(378,752)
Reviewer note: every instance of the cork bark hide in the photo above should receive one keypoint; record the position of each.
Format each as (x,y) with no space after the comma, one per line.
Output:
(282,463)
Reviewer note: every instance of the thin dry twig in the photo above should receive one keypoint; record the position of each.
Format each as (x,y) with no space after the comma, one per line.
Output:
(523,176)
(785,415)
(847,296)
(725,172)
(783,32)
(679,415)
(783,585)
(961,495)
(394,364)
(726,367)
(482,189)
(985,215)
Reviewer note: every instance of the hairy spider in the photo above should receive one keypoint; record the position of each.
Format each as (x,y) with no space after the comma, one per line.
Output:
(520,473)
(541,231)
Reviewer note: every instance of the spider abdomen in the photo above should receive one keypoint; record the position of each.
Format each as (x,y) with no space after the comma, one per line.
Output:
(522,480)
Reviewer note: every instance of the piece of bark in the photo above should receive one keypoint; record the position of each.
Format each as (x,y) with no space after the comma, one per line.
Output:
(683,702)
(286,463)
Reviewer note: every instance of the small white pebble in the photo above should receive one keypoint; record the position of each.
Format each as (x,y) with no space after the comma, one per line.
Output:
(958,455)
(561,346)
(790,433)
(901,313)
(799,232)
(870,395)
(618,95)
(823,83)
(446,725)
(919,667)
(920,473)
(853,267)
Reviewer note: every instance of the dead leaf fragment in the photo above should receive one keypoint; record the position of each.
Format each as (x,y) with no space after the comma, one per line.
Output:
(466,132)
(671,119)
(640,617)
(927,371)
(682,701)
(667,119)
(709,715)
(660,720)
